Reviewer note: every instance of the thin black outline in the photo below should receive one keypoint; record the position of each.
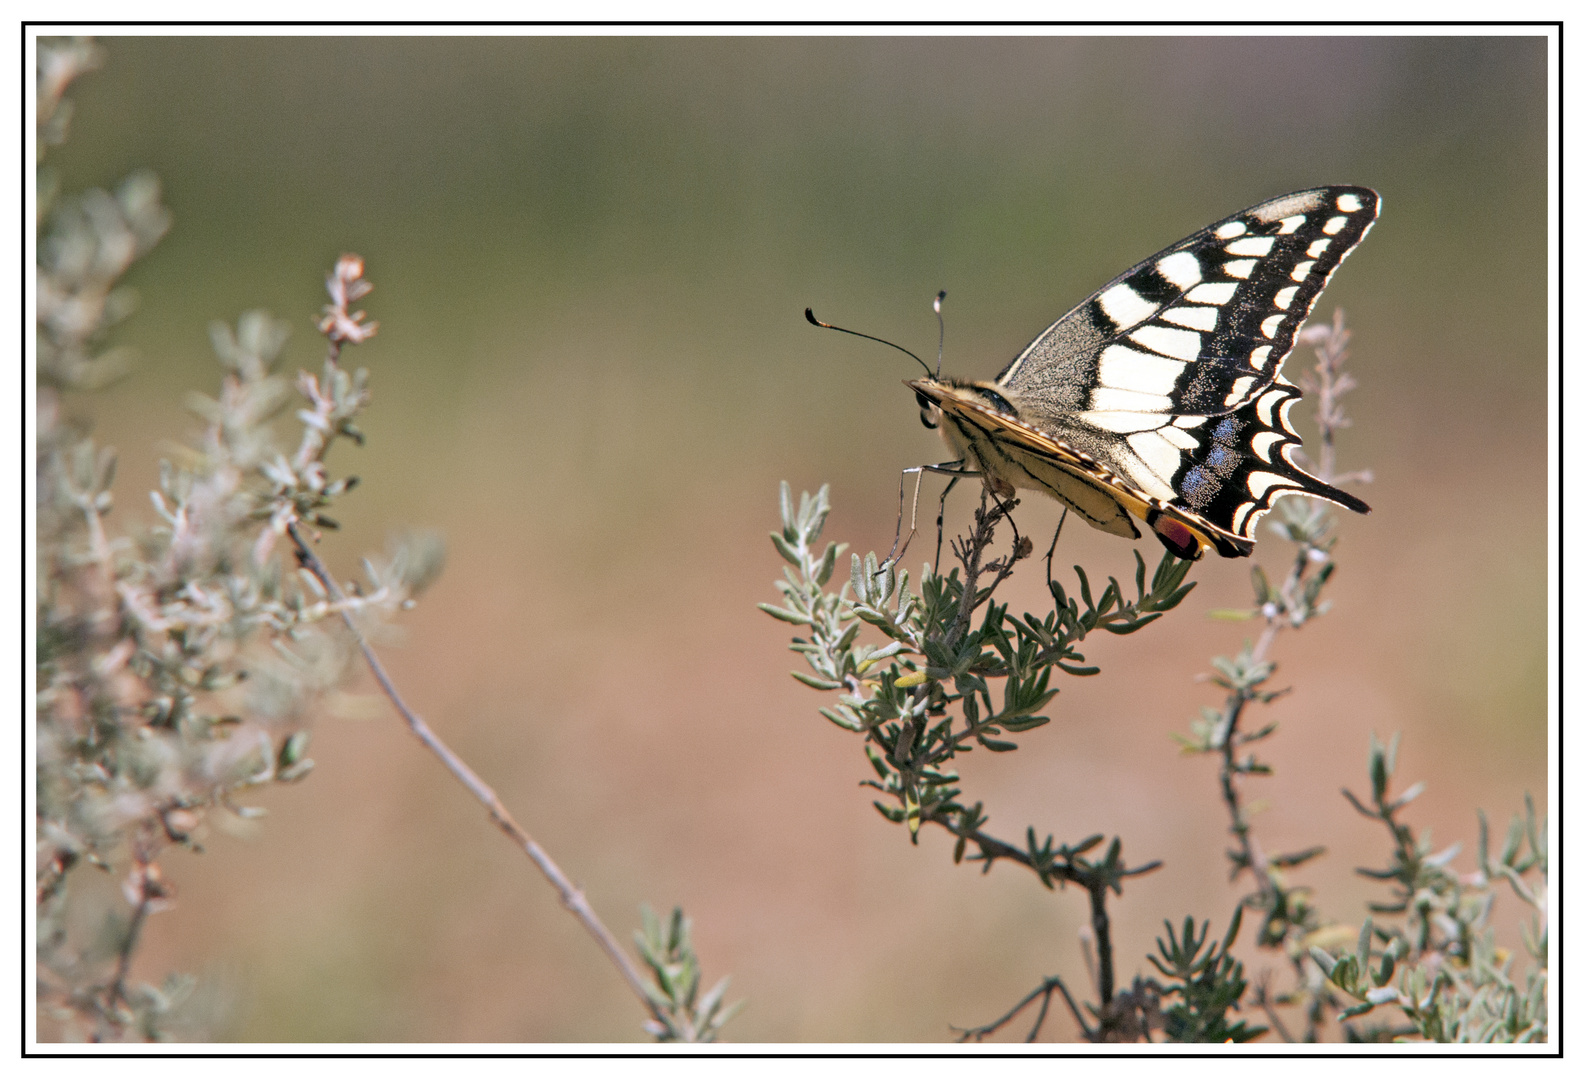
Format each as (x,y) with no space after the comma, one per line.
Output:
(640,1050)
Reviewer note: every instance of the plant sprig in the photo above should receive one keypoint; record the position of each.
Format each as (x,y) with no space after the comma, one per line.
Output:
(929,690)
(1438,963)
(1440,966)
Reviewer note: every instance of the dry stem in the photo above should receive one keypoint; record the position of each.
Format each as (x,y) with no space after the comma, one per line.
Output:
(571,897)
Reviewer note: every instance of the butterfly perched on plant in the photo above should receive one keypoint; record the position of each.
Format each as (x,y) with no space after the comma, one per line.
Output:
(1161,396)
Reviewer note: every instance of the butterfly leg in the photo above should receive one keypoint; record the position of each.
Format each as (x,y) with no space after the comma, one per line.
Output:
(941,517)
(953,469)
(1052,550)
(902,496)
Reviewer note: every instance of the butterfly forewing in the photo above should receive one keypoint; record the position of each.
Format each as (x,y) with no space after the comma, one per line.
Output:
(1202,327)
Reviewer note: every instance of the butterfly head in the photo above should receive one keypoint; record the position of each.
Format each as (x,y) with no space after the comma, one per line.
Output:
(931,393)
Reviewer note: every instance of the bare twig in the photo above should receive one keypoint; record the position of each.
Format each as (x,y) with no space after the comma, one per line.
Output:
(1263,999)
(1051,984)
(1250,851)
(571,897)
(149,889)
(971,553)
(1101,923)
(151,893)
(342,326)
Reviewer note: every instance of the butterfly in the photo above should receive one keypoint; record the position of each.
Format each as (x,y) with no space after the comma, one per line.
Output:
(1161,396)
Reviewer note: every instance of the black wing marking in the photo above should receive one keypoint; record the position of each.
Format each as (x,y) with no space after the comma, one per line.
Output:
(1245,464)
(1197,330)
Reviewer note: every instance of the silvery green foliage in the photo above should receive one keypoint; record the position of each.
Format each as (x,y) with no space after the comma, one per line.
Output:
(902,695)
(177,661)
(925,695)
(1435,960)
(86,241)
(61,61)
(680,1013)
(1438,964)
(1202,987)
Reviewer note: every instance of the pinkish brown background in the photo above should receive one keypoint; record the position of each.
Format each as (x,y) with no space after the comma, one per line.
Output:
(591,261)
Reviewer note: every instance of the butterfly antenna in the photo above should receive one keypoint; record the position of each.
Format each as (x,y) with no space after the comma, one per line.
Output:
(810,315)
(941,342)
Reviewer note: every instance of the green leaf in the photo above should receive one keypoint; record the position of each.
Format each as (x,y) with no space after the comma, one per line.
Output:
(1128,628)
(786,616)
(787,508)
(1084,588)
(1298,858)
(785,549)
(839,720)
(1230,614)
(1262,585)
(1413,792)
(1084,845)
(828,562)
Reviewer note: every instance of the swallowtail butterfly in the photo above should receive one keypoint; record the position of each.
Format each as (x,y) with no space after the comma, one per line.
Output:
(1161,396)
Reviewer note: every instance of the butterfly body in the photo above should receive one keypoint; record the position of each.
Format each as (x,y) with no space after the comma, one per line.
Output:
(1161,396)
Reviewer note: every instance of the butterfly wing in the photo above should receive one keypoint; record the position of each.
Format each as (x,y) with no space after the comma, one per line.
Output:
(1169,377)
(1241,466)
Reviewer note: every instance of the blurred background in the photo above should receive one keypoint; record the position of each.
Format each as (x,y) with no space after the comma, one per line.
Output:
(591,260)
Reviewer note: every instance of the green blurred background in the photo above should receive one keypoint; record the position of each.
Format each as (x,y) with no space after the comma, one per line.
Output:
(591,260)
